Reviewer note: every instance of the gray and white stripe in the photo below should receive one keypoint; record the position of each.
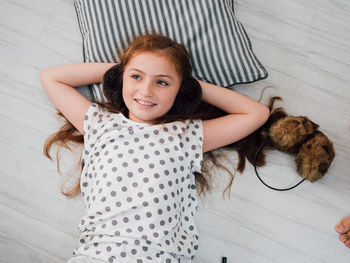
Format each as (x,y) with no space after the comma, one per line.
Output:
(220,49)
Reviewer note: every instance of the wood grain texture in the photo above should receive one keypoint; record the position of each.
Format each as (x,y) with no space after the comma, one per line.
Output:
(304,45)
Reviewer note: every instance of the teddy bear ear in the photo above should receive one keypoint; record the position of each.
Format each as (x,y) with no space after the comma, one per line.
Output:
(314,125)
(305,120)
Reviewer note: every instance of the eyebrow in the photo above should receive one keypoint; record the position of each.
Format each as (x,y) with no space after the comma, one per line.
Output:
(160,75)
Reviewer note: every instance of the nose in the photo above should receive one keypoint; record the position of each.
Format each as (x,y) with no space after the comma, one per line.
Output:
(147,89)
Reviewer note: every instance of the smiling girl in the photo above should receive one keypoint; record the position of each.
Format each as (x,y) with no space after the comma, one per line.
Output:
(143,149)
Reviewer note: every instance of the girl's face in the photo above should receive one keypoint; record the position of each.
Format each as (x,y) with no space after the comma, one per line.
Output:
(150,86)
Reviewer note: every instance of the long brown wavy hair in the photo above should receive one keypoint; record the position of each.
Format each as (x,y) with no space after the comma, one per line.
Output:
(187,105)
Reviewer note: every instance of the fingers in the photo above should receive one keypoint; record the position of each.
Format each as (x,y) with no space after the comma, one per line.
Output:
(343,226)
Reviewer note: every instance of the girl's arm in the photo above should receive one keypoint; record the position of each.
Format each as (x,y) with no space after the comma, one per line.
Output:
(59,83)
(244,116)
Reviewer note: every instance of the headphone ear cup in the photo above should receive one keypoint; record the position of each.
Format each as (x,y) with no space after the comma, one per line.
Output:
(188,98)
(288,133)
(112,84)
(315,157)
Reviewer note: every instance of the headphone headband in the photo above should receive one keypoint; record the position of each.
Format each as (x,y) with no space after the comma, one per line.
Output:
(256,172)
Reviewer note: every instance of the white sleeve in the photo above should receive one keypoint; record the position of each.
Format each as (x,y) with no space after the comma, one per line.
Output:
(93,124)
(193,140)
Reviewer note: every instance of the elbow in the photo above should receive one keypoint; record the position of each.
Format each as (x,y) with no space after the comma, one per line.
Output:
(43,75)
(46,73)
(265,114)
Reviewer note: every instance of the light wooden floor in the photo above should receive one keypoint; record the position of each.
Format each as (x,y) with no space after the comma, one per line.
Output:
(305,48)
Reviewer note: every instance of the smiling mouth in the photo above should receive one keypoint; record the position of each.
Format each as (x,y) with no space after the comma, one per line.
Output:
(145,103)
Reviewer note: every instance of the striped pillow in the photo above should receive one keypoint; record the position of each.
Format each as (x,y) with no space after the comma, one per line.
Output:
(221,52)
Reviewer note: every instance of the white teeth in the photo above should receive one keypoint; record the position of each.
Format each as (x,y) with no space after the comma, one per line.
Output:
(145,103)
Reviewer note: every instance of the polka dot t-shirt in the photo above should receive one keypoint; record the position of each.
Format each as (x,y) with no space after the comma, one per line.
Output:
(139,189)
